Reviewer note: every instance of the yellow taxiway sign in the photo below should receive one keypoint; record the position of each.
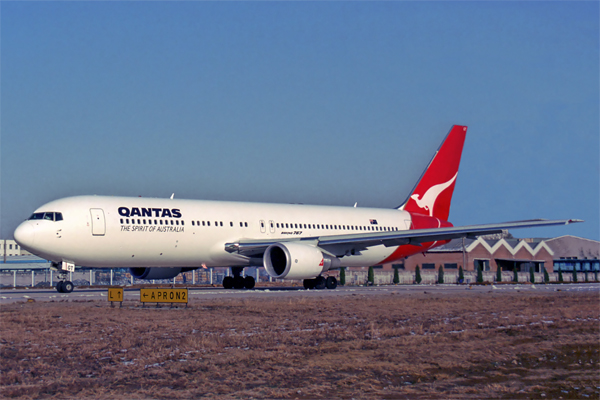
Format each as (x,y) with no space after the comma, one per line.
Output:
(163,295)
(115,294)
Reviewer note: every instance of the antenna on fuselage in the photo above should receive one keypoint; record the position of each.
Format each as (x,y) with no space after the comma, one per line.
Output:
(355,204)
(173,195)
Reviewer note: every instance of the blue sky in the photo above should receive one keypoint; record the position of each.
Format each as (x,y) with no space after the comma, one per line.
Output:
(316,103)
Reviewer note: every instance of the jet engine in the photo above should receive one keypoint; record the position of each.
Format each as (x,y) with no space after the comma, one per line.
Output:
(293,260)
(155,273)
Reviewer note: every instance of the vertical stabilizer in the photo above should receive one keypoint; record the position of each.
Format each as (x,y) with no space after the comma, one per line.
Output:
(433,193)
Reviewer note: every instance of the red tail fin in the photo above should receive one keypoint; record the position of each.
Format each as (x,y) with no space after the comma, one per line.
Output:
(433,193)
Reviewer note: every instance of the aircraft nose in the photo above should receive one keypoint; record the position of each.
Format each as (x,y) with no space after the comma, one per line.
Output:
(25,235)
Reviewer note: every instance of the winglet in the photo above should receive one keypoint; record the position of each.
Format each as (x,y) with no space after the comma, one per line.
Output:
(433,192)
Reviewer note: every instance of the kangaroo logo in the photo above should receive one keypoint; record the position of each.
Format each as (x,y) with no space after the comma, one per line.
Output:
(427,202)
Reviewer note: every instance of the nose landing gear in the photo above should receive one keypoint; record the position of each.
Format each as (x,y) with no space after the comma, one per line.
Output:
(64,286)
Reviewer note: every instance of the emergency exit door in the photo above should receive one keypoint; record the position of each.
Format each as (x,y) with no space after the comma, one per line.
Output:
(98,222)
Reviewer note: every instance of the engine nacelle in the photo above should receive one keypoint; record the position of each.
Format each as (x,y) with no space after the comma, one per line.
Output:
(293,260)
(155,273)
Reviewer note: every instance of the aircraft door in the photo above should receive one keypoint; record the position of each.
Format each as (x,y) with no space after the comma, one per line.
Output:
(98,222)
(263,228)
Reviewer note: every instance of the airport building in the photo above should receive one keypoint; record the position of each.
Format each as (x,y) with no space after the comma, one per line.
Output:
(10,248)
(489,252)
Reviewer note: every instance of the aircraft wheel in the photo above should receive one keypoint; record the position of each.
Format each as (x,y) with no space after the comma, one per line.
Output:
(68,287)
(331,282)
(238,282)
(249,282)
(320,282)
(59,287)
(228,282)
(309,283)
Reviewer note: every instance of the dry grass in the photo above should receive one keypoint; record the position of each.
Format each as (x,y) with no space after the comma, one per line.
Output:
(468,345)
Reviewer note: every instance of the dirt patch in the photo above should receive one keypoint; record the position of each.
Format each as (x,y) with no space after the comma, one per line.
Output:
(472,345)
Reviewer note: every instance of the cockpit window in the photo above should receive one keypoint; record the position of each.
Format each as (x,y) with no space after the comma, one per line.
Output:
(49,216)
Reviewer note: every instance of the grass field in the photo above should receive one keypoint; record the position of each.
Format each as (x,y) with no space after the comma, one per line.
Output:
(496,344)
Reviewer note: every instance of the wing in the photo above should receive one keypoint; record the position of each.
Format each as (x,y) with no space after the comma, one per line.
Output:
(353,244)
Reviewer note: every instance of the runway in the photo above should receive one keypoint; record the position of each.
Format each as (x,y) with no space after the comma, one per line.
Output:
(8,296)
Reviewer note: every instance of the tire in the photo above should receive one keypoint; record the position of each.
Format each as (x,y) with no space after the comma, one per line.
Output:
(68,287)
(320,283)
(238,282)
(59,287)
(249,282)
(228,282)
(309,284)
(331,282)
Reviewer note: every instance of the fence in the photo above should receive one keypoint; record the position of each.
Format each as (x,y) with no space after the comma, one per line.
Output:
(354,278)
(44,277)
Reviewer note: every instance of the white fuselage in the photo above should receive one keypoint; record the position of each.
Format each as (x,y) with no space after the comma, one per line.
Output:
(117,232)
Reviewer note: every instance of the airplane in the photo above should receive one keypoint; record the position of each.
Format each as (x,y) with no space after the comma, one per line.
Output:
(159,238)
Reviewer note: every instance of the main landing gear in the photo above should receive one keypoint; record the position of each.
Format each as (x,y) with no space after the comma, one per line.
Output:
(237,281)
(320,282)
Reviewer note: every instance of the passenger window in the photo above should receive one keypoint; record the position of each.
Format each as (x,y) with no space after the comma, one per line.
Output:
(246,224)
(277,224)
(241,225)
(182,223)
(230,223)
(121,220)
(144,221)
(193,223)
(172,223)
(221,223)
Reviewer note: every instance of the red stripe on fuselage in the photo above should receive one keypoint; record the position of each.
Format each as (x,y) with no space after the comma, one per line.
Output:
(419,221)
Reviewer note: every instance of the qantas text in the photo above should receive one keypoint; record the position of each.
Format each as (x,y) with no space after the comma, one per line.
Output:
(150,212)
